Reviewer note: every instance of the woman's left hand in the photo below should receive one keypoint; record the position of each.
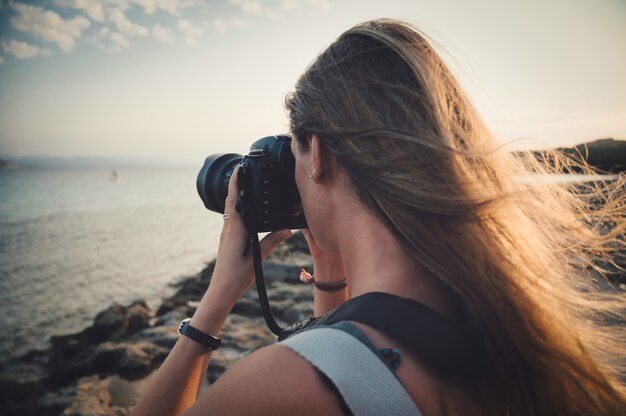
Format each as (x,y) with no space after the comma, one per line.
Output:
(234,272)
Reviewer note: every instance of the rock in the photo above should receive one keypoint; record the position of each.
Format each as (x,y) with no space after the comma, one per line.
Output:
(246,335)
(19,383)
(164,336)
(87,396)
(222,360)
(234,319)
(115,323)
(137,317)
(247,307)
(240,336)
(173,317)
(118,318)
(167,306)
(217,367)
(297,312)
(295,244)
(284,262)
(130,360)
(294,293)
(207,272)
(54,403)
(109,320)
(92,398)
(286,269)
(192,288)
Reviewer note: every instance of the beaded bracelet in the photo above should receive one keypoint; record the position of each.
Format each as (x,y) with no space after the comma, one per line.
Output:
(308,278)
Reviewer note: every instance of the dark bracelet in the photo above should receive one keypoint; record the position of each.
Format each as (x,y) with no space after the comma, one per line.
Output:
(209,342)
(331,287)
(307,278)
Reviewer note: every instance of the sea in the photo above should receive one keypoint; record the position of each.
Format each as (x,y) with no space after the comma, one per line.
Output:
(75,239)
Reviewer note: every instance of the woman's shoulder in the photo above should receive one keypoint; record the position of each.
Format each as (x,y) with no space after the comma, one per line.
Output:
(278,380)
(271,380)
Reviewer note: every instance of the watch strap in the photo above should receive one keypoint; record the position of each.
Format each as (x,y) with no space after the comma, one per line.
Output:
(207,341)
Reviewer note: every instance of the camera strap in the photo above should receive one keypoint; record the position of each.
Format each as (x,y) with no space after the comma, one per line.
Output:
(260,285)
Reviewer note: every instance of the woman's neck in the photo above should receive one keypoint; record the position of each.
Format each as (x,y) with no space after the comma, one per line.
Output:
(375,261)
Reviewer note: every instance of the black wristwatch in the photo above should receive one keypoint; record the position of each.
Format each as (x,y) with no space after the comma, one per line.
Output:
(207,341)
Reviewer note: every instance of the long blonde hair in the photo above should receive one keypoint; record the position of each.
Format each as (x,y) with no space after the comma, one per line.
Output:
(521,257)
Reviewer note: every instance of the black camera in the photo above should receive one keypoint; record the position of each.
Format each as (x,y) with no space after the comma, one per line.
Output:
(268,198)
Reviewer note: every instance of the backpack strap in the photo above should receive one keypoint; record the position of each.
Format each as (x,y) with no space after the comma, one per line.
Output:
(451,349)
(366,384)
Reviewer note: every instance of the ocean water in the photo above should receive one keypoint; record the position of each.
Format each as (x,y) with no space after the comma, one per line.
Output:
(73,241)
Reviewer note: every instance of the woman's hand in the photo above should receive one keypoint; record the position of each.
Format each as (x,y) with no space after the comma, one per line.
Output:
(234,272)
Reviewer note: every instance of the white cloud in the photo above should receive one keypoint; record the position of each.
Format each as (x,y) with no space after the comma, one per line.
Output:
(119,4)
(22,50)
(119,41)
(286,5)
(320,4)
(163,34)
(98,37)
(250,6)
(108,40)
(173,7)
(222,25)
(150,6)
(189,28)
(255,7)
(93,8)
(47,25)
(191,32)
(126,26)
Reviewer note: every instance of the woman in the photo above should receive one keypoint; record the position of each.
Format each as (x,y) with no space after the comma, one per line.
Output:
(406,192)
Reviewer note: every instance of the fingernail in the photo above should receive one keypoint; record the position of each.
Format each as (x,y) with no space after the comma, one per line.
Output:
(284,234)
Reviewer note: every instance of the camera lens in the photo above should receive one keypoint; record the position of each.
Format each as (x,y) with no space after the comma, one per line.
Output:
(213,179)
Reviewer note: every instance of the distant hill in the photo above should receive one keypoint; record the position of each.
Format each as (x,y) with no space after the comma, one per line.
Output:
(607,155)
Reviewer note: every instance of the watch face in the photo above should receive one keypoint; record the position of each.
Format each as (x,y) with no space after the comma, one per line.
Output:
(182,324)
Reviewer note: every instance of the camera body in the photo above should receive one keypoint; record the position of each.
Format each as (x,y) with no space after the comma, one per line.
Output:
(268,198)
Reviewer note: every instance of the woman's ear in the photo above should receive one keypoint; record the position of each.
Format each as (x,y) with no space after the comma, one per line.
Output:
(318,157)
(323,162)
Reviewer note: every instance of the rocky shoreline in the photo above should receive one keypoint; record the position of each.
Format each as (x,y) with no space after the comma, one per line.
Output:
(102,369)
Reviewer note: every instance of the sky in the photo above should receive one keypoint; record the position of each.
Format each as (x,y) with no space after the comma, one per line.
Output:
(183,79)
